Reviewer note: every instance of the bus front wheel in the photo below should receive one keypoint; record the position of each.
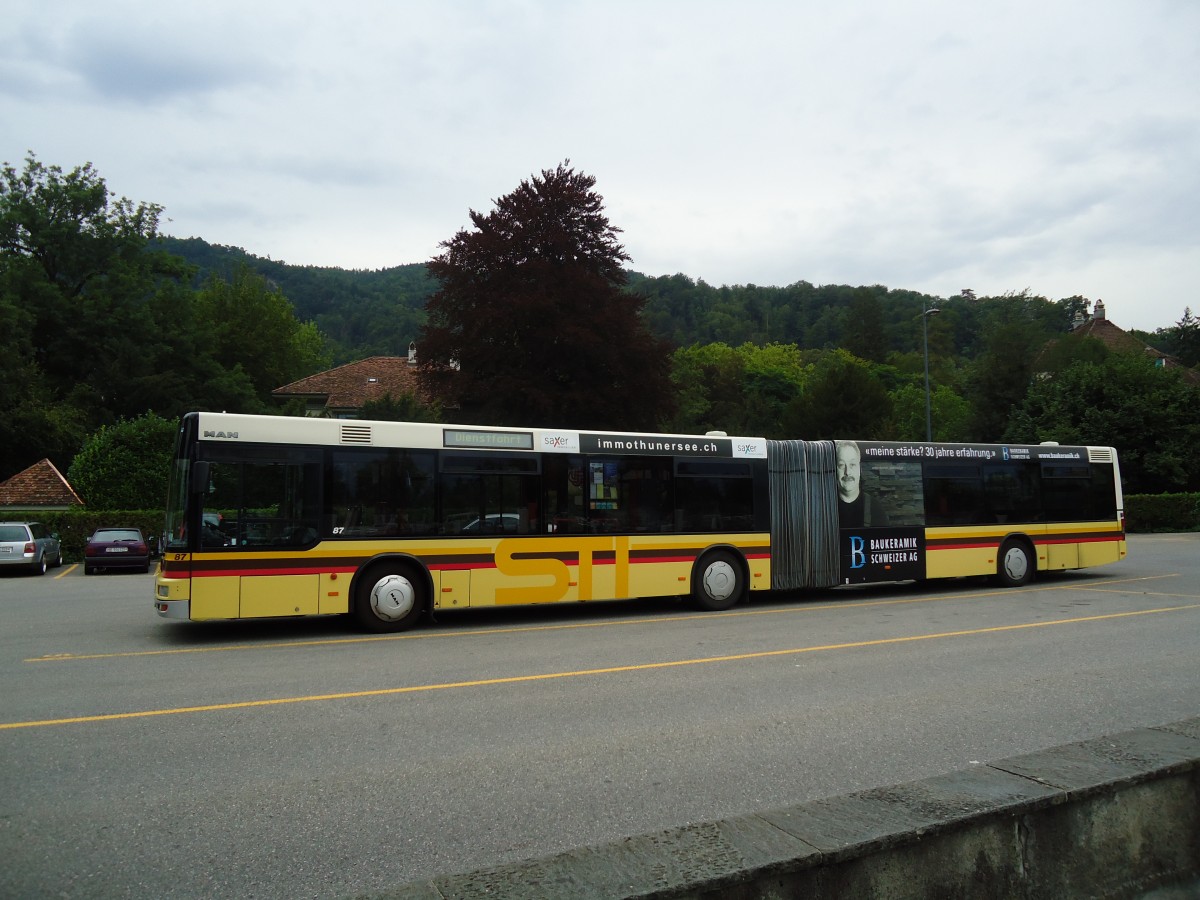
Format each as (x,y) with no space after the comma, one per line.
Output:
(718,582)
(1015,566)
(389,599)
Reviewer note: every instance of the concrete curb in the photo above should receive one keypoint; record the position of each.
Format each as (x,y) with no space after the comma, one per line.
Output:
(1114,817)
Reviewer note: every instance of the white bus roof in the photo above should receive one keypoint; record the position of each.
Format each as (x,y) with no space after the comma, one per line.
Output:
(236,428)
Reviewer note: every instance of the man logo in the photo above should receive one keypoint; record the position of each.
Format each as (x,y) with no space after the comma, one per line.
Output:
(221,434)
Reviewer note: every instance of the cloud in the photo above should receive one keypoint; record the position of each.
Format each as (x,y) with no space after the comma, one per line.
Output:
(930,146)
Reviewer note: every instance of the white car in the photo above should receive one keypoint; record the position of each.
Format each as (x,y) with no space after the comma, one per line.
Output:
(29,545)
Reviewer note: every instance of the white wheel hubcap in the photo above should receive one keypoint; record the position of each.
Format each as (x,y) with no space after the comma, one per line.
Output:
(393,597)
(719,580)
(1015,564)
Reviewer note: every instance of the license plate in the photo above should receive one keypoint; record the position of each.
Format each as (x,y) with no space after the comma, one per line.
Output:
(117,550)
(7,548)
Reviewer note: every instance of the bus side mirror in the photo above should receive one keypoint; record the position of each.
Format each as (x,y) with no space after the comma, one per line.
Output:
(199,478)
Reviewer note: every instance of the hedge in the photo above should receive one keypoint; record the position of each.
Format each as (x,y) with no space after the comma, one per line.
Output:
(1162,512)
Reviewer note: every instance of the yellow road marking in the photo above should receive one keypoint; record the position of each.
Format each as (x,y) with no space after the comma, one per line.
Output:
(1148,593)
(67,570)
(848,603)
(609,670)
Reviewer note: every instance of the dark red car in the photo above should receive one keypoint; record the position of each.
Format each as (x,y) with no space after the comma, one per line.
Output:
(116,548)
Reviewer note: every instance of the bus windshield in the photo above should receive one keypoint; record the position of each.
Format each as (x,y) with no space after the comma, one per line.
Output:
(174,529)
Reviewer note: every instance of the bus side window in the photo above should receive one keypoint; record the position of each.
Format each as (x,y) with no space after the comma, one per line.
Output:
(714,495)
(1067,492)
(1012,492)
(380,492)
(954,495)
(565,480)
(1104,497)
(490,493)
(261,502)
(644,489)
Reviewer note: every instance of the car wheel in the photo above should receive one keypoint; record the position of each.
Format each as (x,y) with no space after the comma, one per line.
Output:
(39,566)
(58,560)
(88,570)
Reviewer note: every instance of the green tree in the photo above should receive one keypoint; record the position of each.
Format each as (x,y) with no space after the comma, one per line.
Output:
(360,312)
(707,380)
(950,413)
(674,305)
(1068,311)
(66,226)
(76,276)
(742,390)
(1187,338)
(1149,414)
(125,465)
(530,324)
(1182,340)
(842,399)
(865,335)
(255,330)
(999,377)
(775,374)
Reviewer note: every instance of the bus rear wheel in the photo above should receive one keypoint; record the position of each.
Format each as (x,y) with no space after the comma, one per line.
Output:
(389,598)
(1015,567)
(718,582)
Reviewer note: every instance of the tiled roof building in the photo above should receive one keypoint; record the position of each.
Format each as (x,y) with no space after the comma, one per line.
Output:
(41,486)
(339,393)
(1099,327)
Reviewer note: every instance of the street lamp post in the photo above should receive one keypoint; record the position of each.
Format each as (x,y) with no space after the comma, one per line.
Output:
(932,311)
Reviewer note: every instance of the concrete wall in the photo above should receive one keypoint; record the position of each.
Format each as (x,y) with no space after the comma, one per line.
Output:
(1114,817)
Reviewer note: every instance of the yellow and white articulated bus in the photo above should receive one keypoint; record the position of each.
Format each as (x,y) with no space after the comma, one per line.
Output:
(270,516)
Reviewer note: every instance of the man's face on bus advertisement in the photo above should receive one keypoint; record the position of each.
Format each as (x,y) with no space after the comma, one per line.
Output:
(848,472)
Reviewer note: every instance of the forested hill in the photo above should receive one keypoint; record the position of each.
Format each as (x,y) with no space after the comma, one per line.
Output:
(378,312)
(361,312)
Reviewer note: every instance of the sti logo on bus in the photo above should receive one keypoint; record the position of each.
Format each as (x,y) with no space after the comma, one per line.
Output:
(221,434)
(540,558)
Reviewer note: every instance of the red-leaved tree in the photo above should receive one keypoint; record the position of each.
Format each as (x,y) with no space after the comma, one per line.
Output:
(531,324)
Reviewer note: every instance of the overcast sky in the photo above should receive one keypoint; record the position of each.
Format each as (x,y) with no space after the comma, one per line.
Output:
(929,145)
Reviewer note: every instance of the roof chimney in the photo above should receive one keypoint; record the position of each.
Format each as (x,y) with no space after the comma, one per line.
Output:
(1099,311)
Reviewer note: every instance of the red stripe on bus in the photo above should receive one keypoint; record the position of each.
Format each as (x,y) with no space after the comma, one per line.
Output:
(961,545)
(282,570)
(462,566)
(946,544)
(208,570)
